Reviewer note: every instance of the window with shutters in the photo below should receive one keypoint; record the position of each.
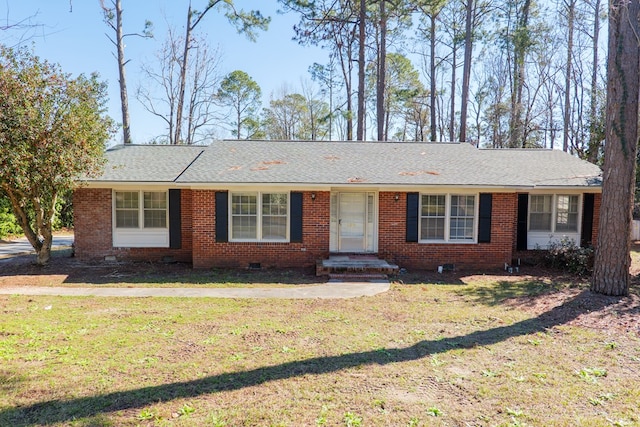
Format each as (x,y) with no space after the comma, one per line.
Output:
(448,218)
(553,213)
(259,216)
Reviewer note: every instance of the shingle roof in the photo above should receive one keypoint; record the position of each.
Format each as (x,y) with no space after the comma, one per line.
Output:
(148,163)
(348,163)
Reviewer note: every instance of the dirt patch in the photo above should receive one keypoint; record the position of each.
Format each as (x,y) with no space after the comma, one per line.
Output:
(585,308)
(559,297)
(66,270)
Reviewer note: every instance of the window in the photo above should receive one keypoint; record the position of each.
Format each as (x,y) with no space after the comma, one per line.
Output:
(553,213)
(155,209)
(567,213)
(540,213)
(266,221)
(433,217)
(462,217)
(152,215)
(448,217)
(127,213)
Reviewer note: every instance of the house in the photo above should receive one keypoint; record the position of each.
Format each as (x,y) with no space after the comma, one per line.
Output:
(284,203)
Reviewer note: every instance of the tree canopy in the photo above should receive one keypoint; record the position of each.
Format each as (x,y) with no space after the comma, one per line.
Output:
(239,92)
(53,130)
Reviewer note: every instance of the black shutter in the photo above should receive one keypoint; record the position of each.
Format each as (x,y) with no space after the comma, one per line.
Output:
(586,237)
(295,224)
(523,215)
(412,217)
(484,221)
(175,219)
(222,216)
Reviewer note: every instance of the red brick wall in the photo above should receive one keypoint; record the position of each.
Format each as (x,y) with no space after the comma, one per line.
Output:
(393,247)
(92,210)
(92,222)
(93,239)
(207,252)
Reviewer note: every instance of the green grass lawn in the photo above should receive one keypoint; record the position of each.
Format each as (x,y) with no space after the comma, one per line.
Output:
(422,354)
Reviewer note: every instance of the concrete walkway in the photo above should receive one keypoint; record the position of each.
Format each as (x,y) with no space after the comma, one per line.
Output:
(331,290)
(21,246)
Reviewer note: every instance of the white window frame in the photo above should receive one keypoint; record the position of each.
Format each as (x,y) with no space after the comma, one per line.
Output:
(259,216)
(140,236)
(554,213)
(447,219)
(542,239)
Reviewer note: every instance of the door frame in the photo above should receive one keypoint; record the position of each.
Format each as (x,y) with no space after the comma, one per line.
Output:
(370,214)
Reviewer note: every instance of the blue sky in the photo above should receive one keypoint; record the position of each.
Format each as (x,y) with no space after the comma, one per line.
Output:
(73,34)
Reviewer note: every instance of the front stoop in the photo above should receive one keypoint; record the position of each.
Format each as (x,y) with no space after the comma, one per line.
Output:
(355,268)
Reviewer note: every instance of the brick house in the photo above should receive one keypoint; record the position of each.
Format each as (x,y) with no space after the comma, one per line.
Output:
(284,204)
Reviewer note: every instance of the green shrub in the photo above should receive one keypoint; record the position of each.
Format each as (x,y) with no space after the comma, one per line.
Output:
(8,224)
(64,212)
(566,255)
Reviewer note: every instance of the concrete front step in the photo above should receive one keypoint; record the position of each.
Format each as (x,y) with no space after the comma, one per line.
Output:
(354,265)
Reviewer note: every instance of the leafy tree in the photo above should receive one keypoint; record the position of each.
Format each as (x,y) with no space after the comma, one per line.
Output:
(285,118)
(333,25)
(612,259)
(329,83)
(294,116)
(53,129)
(405,97)
(241,94)
(8,223)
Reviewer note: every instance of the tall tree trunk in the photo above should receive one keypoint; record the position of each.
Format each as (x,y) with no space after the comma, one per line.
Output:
(571,11)
(238,120)
(177,138)
(594,135)
(552,124)
(124,99)
(382,70)
(612,259)
(432,77)
(360,131)
(466,68)
(452,114)
(520,48)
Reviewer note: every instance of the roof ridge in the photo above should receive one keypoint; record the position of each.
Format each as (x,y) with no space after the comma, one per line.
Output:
(189,165)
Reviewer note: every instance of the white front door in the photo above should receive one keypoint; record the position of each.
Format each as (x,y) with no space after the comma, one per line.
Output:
(353,222)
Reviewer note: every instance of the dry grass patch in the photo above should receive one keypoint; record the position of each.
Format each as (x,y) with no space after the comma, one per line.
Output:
(436,350)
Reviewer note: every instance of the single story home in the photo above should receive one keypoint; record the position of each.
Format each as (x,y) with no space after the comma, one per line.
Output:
(287,203)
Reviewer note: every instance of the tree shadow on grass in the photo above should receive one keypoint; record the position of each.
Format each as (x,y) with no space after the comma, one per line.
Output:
(60,411)
(495,293)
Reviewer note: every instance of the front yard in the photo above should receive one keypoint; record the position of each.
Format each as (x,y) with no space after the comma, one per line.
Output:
(452,350)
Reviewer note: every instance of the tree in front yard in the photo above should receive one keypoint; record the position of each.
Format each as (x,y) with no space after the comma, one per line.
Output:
(53,130)
(612,259)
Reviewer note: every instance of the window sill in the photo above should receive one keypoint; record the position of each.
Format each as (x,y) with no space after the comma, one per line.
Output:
(447,242)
